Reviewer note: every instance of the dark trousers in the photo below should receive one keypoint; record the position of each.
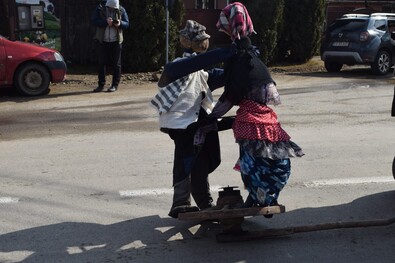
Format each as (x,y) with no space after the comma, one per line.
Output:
(193,166)
(110,54)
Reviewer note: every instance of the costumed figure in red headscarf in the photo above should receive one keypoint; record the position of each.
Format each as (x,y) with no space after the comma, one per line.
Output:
(265,147)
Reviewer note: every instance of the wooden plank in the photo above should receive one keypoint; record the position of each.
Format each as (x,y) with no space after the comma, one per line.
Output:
(277,232)
(231,213)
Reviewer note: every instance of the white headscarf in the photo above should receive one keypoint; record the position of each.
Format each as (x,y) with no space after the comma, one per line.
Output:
(113,3)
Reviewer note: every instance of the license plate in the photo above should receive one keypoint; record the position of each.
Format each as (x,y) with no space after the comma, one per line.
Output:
(340,44)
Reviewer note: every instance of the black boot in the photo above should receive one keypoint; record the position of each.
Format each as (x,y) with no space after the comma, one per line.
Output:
(182,199)
(99,88)
(204,200)
(201,193)
(174,211)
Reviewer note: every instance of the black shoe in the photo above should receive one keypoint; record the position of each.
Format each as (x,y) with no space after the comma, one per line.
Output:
(205,205)
(98,89)
(112,88)
(174,211)
(249,202)
(273,203)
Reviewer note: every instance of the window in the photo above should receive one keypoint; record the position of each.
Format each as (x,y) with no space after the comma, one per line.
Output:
(347,25)
(206,4)
(380,25)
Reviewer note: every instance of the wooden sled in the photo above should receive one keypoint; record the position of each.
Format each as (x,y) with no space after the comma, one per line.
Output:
(229,213)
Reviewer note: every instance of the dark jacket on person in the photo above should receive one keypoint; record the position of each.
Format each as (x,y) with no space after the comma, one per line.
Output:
(99,20)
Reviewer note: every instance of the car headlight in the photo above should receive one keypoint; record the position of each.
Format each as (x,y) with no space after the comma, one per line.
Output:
(58,56)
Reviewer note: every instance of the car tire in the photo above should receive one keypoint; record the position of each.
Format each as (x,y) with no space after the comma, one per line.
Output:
(393,168)
(332,66)
(382,64)
(32,79)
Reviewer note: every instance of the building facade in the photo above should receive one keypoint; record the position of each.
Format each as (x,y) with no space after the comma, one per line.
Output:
(206,12)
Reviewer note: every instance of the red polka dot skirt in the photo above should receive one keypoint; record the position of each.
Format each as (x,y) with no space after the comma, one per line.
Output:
(256,121)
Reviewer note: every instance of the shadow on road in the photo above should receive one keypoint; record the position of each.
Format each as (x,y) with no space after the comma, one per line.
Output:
(151,238)
(89,242)
(11,95)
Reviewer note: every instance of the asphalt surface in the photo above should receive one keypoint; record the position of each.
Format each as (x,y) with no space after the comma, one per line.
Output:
(86,177)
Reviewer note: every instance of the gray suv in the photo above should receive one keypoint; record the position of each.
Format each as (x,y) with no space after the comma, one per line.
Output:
(359,39)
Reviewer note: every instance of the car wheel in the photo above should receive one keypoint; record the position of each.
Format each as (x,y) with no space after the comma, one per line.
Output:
(333,66)
(382,64)
(32,79)
(393,168)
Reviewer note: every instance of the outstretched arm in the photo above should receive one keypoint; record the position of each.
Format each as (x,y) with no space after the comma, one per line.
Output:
(221,108)
(176,69)
(216,78)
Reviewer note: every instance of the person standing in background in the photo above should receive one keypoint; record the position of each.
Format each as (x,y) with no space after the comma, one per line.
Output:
(110,19)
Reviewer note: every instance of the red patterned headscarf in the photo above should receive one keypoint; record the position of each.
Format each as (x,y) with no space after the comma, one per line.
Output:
(235,21)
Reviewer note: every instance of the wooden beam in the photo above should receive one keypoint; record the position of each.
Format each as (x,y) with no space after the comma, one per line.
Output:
(231,213)
(276,232)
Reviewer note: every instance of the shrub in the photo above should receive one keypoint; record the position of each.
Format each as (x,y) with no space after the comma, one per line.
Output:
(267,16)
(301,37)
(145,40)
(286,29)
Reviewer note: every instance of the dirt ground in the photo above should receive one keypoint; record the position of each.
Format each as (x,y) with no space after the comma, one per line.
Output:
(75,79)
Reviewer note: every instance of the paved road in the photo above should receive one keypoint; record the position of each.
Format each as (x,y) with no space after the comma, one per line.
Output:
(87,177)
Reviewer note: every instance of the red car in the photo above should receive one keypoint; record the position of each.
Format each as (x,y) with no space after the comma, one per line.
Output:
(29,68)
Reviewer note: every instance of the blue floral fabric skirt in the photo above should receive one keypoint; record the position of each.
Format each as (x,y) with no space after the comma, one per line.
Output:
(263,177)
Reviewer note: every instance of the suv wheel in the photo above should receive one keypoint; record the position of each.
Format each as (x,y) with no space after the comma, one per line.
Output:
(393,168)
(333,66)
(382,64)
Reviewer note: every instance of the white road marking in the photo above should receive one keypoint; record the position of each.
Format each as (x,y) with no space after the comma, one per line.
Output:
(350,181)
(144,192)
(316,183)
(157,191)
(8,200)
